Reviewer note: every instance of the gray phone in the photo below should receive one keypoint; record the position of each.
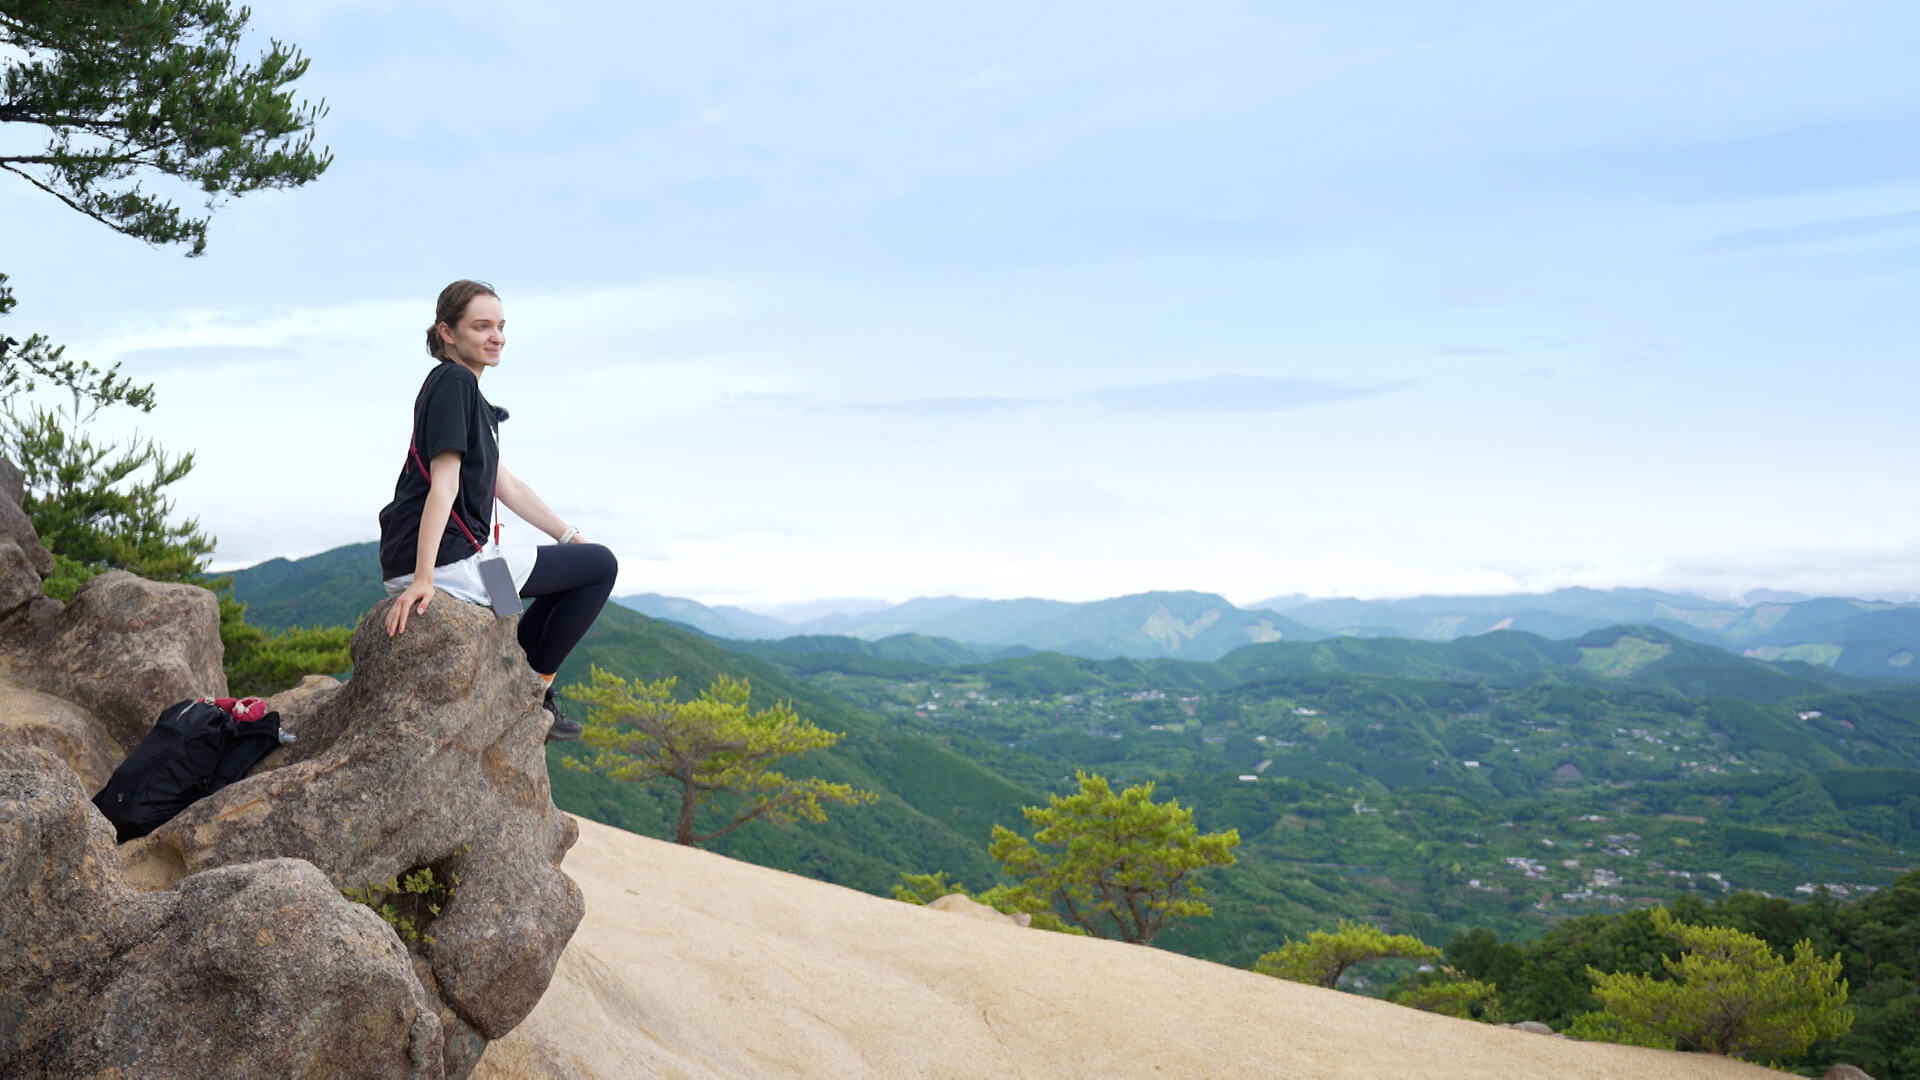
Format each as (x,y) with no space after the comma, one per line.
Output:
(499,582)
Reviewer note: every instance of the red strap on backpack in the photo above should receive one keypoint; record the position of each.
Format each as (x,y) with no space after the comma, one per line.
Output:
(454,514)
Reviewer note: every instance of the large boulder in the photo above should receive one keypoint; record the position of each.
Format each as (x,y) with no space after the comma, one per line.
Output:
(222,944)
(260,969)
(431,756)
(121,651)
(124,648)
(1532,1027)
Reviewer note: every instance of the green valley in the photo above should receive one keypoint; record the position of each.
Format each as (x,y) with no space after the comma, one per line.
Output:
(1507,801)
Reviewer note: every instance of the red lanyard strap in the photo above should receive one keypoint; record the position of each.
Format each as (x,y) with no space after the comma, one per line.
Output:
(454,514)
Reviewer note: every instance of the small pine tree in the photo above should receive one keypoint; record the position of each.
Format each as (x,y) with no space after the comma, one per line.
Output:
(707,746)
(1728,993)
(99,507)
(260,663)
(1450,993)
(1118,862)
(1322,958)
(923,889)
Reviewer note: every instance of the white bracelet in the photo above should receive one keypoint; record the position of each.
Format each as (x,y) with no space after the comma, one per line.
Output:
(567,537)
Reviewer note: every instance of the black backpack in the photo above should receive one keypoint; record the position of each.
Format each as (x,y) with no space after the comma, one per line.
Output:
(195,749)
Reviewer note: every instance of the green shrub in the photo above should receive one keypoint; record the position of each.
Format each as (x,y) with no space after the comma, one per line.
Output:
(1728,993)
(409,903)
(1323,957)
(925,888)
(1450,993)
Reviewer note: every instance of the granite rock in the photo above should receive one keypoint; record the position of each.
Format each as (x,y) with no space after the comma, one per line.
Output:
(433,755)
(29,717)
(258,969)
(123,649)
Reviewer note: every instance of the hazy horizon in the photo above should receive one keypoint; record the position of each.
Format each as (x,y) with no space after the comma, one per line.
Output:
(773,610)
(806,609)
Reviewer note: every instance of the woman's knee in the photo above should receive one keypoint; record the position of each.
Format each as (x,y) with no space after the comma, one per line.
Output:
(605,566)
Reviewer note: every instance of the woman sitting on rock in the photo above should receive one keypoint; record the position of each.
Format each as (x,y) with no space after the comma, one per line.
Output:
(436,531)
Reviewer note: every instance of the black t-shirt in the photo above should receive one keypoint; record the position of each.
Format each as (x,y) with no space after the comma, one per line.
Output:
(449,414)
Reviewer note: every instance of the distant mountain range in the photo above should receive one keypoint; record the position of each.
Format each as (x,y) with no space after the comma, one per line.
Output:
(1867,638)
(1571,612)
(720,621)
(1874,639)
(1188,625)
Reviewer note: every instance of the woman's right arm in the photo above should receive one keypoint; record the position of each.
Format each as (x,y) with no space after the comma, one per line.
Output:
(443,486)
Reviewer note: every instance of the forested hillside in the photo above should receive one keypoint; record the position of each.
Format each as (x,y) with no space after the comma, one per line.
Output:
(333,588)
(936,806)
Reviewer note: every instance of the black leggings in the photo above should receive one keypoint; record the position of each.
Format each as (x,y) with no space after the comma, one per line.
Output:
(571,583)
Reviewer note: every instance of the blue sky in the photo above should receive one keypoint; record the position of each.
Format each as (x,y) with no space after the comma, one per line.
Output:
(1075,300)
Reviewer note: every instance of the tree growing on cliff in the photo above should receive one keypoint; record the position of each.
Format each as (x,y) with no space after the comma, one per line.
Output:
(1323,957)
(714,745)
(126,92)
(1728,993)
(1115,864)
(99,506)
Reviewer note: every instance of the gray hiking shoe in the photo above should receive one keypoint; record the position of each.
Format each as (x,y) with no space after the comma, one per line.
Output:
(562,728)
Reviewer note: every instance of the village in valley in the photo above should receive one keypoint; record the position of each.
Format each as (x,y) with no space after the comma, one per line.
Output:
(1491,803)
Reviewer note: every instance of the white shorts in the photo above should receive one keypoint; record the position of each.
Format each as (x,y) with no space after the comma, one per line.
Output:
(461,580)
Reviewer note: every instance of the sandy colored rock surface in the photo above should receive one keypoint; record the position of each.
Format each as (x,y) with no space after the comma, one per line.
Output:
(256,970)
(221,945)
(31,718)
(691,965)
(431,756)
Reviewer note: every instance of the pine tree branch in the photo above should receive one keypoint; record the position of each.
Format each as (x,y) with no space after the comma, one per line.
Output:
(36,182)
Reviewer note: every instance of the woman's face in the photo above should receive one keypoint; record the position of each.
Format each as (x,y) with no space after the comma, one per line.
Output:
(476,342)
